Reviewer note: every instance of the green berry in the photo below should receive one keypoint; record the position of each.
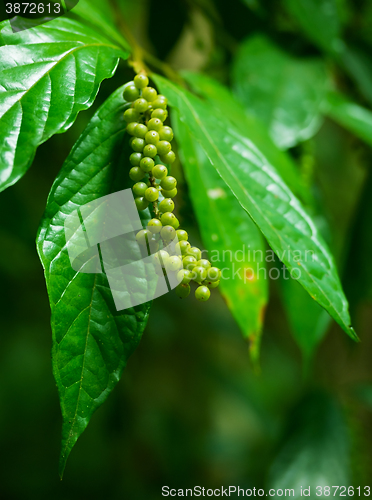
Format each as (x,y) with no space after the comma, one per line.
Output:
(147,164)
(166,133)
(131,93)
(155,124)
(152,137)
(154,246)
(168,158)
(141,203)
(169,194)
(164,148)
(213,274)
(174,263)
(211,284)
(166,205)
(199,274)
(131,128)
(162,114)
(194,252)
(141,81)
(168,233)
(149,94)
(143,236)
(184,276)
(182,247)
(135,159)
(154,225)
(150,150)
(181,234)
(151,194)
(169,219)
(131,115)
(140,105)
(141,130)
(137,144)
(139,188)
(160,102)
(204,263)
(189,262)
(168,183)
(161,258)
(159,171)
(202,293)
(182,291)
(136,174)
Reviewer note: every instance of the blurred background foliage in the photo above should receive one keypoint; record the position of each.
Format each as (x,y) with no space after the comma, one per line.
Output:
(191,409)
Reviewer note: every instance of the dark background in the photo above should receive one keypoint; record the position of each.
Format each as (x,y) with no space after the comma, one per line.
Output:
(189,410)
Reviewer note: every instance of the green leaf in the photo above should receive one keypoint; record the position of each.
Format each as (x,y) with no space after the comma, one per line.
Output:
(101,15)
(315,451)
(350,115)
(285,93)
(230,236)
(276,211)
(357,63)
(249,125)
(308,321)
(91,339)
(47,75)
(320,20)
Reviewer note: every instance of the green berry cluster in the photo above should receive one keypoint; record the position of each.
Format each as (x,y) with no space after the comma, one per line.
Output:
(152,152)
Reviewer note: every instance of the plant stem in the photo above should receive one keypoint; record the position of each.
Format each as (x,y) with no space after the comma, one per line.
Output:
(139,54)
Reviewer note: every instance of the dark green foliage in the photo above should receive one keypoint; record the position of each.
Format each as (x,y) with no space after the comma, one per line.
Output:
(272,137)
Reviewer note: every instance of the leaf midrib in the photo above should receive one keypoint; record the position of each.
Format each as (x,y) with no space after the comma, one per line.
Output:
(47,73)
(196,116)
(82,369)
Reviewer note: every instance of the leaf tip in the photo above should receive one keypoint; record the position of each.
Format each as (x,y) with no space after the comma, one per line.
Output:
(353,334)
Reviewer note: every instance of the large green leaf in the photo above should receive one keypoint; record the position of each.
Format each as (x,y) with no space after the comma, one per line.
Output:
(308,321)
(251,127)
(101,15)
(315,452)
(231,237)
(91,339)
(277,212)
(47,75)
(350,115)
(357,63)
(283,92)
(320,20)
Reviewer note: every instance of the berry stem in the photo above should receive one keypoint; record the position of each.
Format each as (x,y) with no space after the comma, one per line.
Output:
(140,55)
(154,203)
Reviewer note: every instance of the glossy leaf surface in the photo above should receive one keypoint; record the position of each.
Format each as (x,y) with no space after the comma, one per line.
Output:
(308,321)
(276,211)
(91,339)
(47,75)
(319,19)
(285,93)
(350,115)
(232,239)
(250,126)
